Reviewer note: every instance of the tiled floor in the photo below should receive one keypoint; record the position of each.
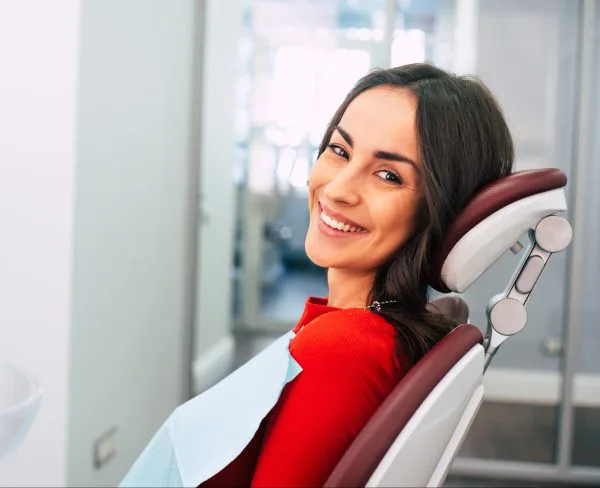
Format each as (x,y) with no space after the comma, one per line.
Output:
(464,482)
(519,432)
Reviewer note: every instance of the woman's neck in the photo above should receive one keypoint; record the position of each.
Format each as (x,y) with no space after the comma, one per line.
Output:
(348,289)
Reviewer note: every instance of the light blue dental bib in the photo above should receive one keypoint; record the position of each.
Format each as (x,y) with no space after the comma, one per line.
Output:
(205,434)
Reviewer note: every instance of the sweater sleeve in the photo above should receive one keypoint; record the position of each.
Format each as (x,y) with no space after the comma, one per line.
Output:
(348,370)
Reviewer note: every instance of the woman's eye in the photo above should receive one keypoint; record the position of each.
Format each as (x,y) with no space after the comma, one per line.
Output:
(338,150)
(389,176)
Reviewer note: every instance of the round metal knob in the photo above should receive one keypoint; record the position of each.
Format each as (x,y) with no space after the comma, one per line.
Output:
(508,316)
(553,234)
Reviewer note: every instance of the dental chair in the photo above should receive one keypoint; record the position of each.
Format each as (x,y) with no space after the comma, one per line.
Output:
(416,433)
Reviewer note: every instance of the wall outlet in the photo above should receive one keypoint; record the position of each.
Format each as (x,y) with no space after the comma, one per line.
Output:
(105,448)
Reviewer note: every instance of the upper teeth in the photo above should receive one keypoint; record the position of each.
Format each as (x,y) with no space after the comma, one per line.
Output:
(336,224)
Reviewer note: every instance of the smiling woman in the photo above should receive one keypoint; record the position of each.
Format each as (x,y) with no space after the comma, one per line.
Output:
(400,158)
(367,177)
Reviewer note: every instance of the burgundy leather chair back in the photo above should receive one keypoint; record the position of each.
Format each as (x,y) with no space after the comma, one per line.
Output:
(367,450)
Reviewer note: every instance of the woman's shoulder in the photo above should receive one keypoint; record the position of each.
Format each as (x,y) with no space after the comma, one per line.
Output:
(349,341)
(347,331)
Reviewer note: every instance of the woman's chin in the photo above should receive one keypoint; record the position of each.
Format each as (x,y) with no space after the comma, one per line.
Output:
(316,254)
(328,253)
(317,258)
(320,256)
(321,262)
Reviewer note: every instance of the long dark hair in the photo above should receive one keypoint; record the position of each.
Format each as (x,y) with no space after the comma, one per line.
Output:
(464,144)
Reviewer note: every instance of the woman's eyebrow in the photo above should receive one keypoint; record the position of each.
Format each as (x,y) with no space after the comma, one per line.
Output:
(344,134)
(389,156)
(395,157)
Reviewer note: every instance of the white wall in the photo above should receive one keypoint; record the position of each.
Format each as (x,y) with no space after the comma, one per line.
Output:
(214,343)
(39,44)
(132,228)
(97,199)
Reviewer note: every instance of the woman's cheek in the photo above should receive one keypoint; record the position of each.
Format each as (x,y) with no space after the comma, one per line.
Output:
(315,180)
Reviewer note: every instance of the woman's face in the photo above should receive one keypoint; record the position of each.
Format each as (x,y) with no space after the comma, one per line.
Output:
(365,187)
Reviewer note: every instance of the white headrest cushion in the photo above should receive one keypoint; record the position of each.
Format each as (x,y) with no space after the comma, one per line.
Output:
(479,248)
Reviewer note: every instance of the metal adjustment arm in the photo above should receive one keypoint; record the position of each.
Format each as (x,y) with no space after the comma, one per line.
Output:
(506,312)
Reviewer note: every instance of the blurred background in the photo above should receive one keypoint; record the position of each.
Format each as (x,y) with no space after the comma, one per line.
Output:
(153,165)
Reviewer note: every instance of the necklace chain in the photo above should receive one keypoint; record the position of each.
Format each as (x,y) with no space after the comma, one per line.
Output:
(376,306)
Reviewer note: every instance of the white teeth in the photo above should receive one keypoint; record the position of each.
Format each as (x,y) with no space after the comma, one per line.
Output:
(339,225)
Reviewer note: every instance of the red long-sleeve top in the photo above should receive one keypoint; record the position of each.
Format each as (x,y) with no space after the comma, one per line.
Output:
(349,366)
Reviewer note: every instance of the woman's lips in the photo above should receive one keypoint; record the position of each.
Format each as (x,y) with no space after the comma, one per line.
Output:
(339,217)
(332,232)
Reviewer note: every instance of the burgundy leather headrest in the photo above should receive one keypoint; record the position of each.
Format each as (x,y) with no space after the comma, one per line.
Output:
(490,199)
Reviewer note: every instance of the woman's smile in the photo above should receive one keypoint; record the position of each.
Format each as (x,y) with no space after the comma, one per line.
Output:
(334,224)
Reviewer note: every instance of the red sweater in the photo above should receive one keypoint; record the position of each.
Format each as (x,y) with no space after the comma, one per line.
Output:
(349,367)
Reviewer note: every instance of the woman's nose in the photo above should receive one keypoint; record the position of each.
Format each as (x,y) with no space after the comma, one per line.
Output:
(344,187)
